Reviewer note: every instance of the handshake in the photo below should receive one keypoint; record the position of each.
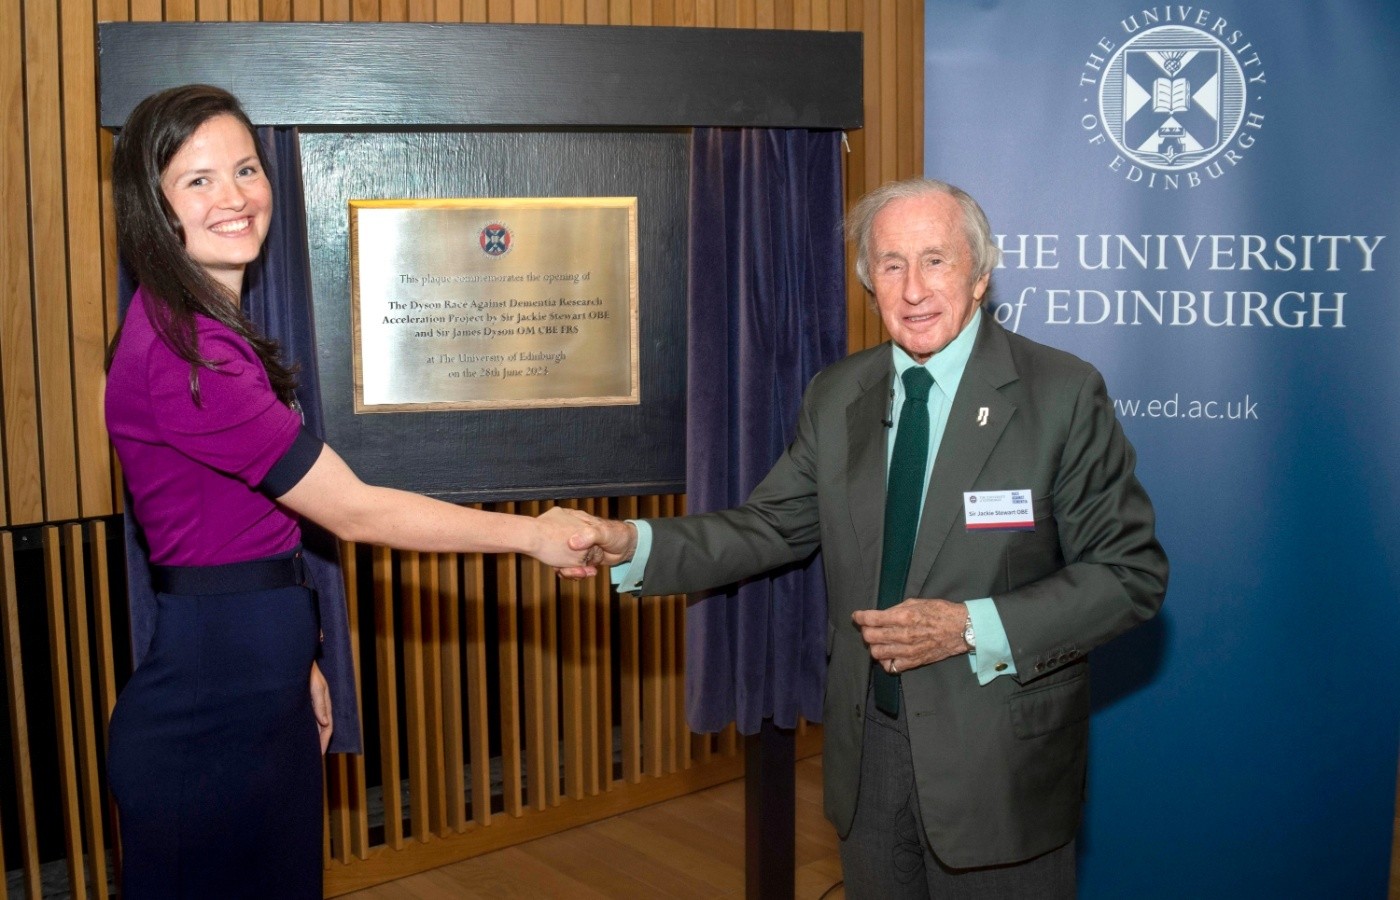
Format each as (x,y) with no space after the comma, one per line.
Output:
(577,543)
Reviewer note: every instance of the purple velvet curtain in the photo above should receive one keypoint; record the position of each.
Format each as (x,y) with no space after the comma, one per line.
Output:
(767,311)
(277,298)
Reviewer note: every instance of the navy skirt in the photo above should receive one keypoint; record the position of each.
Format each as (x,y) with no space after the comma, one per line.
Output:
(214,756)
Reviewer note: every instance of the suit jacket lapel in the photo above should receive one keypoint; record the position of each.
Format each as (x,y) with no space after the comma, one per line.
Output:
(866,454)
(966,444)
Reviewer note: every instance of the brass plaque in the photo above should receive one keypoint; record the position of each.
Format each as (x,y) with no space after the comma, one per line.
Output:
(494,303)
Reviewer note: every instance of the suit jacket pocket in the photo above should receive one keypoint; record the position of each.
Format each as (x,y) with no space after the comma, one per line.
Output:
(1046,708)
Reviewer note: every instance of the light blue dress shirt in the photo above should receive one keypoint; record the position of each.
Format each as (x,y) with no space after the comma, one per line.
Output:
(946,367)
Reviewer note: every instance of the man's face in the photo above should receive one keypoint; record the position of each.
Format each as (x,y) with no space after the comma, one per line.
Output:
(923,273)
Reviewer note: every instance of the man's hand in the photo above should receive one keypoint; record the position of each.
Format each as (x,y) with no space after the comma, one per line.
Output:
(321,706)
(606,542)
(568,540)
(914,633)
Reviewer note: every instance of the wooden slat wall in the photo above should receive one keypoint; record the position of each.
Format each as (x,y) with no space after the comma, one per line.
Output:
(563,757)
(560,682)
(80,668)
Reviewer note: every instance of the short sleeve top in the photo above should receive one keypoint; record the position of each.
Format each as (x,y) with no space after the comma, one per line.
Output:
(193,468)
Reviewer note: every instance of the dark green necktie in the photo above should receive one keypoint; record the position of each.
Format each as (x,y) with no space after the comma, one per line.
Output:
(903,496)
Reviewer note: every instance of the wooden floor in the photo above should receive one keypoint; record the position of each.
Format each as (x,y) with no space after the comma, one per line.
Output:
(691,847)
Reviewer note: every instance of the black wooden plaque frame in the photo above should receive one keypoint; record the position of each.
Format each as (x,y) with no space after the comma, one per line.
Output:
(498,454)
(498,76)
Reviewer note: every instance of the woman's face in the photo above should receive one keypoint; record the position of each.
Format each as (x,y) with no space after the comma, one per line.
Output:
(221,197)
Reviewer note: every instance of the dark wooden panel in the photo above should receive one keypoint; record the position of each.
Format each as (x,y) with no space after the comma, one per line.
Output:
(499,76)
(489,455)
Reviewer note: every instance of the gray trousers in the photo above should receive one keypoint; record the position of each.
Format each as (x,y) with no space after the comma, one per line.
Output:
(886,856)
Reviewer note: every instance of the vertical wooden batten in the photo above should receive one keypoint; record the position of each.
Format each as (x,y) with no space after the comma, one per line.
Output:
(87,307)
(28,837)
(62,681)
(21,477)
(48,226)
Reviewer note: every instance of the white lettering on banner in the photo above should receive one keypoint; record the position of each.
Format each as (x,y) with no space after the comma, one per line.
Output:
(1227,252)
(1205,252)
(1215,307)
(1029,251)
(1177,99)
(1217,26)
(1175,408)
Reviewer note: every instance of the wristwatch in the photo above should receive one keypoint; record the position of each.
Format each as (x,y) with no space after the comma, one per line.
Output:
(969,636)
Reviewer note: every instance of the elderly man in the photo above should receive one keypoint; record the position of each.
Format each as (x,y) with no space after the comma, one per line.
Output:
(982,530)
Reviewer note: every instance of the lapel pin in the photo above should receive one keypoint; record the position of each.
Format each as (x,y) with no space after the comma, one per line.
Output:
(982,414)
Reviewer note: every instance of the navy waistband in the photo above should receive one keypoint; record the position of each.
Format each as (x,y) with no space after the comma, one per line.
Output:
(254,575)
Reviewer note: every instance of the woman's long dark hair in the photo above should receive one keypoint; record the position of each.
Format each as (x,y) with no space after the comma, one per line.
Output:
(152,242)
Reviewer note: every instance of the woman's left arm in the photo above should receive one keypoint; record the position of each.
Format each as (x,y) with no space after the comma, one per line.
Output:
(332,496)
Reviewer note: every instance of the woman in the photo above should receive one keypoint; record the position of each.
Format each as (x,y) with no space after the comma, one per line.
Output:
(214,756)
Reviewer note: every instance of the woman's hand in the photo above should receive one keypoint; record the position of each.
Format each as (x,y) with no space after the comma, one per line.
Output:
(605,542)
(567,539)
(321,706)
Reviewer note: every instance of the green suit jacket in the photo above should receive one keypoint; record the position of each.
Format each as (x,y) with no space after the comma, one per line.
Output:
(1000,768)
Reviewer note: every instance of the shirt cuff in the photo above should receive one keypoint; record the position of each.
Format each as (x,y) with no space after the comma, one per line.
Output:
(627,577)
(992,658)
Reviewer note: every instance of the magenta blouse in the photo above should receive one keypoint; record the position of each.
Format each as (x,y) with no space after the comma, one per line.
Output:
(193,469)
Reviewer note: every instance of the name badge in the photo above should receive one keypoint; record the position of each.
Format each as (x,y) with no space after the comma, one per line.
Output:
(998,510)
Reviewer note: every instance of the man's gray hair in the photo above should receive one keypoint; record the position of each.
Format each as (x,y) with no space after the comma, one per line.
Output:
(985,252)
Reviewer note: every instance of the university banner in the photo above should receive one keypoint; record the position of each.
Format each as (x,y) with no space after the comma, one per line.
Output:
(1204,202)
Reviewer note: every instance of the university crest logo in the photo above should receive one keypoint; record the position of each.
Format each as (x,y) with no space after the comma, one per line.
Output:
(1178,98)
(1170,114)
(495,239)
